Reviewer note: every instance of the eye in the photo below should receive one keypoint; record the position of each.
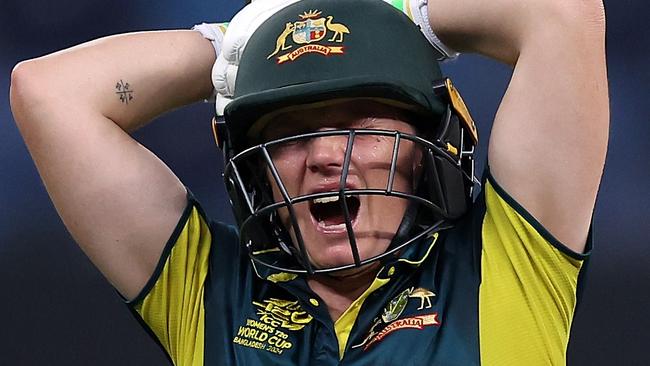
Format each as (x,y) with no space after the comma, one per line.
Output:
(289,147)
(276,133)
(290,143)
(374,138)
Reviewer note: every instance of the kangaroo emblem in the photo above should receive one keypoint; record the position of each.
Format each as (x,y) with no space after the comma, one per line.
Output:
(423,295)
(371,333)
(338,29)
(281,43)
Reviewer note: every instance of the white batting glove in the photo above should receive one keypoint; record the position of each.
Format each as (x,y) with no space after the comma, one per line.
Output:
(213,32)
(417,11)
(240,28)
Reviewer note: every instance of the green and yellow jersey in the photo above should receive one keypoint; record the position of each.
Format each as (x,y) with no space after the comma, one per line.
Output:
(497,289)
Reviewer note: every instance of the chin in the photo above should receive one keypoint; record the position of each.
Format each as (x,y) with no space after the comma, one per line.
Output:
(331,256)
(339,253)
(372,267)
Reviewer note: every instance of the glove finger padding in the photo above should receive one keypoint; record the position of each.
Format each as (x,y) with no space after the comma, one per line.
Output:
(240,28)
(417,11)
(220,104)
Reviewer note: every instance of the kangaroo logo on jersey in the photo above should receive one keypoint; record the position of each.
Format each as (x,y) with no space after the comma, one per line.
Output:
(309,31)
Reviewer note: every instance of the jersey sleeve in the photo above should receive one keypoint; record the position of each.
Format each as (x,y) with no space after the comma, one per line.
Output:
(171,305)
(528,290)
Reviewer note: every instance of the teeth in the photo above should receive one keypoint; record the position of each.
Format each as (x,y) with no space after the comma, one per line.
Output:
(326,199)
(322,224)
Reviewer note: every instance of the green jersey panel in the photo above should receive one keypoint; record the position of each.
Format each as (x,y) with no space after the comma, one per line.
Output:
(497,289)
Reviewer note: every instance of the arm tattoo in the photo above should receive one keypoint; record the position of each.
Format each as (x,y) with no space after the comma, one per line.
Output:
(124,91)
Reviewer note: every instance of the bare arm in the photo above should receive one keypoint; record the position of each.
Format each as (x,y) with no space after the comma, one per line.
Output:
(549,138)
(117,199)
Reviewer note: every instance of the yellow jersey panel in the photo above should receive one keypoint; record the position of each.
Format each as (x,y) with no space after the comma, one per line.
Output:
(173,307)
(528,288)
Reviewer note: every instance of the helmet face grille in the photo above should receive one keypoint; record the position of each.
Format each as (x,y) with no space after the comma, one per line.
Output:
(270,213)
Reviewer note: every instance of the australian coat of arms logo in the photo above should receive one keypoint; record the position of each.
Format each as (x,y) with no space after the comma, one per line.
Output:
(391,320)
(306,36)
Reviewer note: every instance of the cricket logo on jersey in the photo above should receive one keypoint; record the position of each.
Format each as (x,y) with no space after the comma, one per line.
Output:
(283,313)
(390,320)
(269,331)
(307,35)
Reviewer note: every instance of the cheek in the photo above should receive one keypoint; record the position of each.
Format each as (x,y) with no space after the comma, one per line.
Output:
(409,164)
(375,161)
(290,179)
(290,167)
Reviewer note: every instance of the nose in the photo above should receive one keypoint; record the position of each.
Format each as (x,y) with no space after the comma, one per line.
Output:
(326,154)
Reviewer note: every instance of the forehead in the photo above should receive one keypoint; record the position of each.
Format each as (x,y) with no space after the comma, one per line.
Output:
(356,113)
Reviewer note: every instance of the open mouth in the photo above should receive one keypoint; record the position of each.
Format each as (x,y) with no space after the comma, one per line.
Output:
(328,212)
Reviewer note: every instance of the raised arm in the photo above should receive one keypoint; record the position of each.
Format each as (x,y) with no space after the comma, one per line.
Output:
(549,138)
(74,110)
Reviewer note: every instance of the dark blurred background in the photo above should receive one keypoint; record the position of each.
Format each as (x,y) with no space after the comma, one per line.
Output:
(58,310)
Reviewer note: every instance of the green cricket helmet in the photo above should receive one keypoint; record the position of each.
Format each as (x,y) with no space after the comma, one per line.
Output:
(314,52)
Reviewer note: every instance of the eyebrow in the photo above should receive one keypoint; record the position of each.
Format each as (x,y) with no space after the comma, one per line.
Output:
(281,123)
